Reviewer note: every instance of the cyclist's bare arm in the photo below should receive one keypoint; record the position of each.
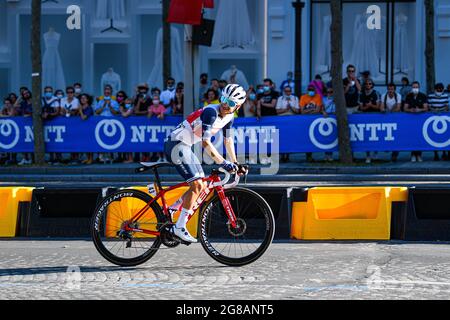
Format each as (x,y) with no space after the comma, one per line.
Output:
(212,151)
(229,145)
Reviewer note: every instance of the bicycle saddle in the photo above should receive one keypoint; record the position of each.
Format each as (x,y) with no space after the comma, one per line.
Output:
(155,165)
(152,165)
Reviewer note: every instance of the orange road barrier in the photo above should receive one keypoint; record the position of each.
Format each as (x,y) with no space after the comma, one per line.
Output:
(345,213)
(9,205)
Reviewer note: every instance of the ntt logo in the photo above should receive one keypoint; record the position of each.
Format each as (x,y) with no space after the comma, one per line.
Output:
(9,130)
(440,128)
(111,129)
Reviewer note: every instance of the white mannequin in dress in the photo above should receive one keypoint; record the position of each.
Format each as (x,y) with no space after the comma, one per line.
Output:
(401,62)
(364,52)
(155,79)
(52,70)
(110,9)
(234,75)
(325,42)
(113,79)
(232,27)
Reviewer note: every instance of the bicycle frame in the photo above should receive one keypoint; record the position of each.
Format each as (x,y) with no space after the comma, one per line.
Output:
(212,181)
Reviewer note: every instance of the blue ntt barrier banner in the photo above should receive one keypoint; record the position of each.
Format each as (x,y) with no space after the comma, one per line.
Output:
(368,132)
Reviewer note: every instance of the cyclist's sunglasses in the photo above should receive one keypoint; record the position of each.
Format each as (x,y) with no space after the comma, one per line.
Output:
(230,103)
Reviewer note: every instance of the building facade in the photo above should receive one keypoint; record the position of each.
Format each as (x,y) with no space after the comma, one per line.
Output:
(253,39)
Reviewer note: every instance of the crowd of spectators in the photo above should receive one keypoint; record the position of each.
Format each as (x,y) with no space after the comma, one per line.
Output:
(264,99)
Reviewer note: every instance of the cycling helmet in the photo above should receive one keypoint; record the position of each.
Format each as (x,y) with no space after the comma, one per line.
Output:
(235,93)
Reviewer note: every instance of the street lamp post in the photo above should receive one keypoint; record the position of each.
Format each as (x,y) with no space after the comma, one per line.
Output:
(298,7)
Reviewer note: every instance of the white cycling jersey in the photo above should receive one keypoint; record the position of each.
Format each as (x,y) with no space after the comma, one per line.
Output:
(202,125)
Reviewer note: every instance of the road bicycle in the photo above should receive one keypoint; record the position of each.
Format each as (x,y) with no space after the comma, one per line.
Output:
(236,225)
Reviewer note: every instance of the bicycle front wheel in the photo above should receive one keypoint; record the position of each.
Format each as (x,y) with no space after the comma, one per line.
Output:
(252,236)
(126,248)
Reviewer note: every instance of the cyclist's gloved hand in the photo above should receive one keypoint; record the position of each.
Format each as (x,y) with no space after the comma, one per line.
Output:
(242,169)
(229,166)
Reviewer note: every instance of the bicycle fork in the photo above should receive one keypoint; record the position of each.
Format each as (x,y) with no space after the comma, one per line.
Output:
(227,206)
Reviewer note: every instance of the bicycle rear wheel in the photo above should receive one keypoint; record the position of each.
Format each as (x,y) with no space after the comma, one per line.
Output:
(126,248)
(253,235)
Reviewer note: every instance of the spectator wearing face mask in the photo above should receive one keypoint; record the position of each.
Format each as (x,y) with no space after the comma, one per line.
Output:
(168,94)
(438,102)
(50,104)
(267,100)
(416,102)
(287,104)
(142,101)
(289,82)
(107,106)
(157,109)
(125,104)
(78,90)
(311,103)
(391,101)
(329,107)
(59,94)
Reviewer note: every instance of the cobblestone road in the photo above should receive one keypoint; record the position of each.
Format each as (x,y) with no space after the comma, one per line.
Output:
(295,270)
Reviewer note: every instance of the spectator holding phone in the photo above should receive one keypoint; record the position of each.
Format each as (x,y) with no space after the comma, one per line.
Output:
(352,88)
(142,101)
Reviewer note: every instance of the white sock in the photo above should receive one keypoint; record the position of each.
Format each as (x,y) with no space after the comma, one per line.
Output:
(182,220)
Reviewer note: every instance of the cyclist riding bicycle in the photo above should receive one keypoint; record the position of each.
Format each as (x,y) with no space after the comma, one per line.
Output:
(201,126)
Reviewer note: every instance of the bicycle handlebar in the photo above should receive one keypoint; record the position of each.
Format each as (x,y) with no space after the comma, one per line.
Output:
(224,181)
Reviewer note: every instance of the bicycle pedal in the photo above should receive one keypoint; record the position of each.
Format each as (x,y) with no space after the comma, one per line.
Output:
(187,244)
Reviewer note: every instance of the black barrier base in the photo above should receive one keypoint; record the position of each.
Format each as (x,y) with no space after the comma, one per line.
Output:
(426,217)
(60,212)
(279,200)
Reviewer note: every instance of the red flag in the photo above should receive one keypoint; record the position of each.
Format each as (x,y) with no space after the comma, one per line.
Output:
(185,12)
(208,4)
